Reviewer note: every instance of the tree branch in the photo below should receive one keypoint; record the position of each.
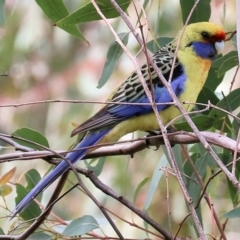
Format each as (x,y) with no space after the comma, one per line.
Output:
(126,147)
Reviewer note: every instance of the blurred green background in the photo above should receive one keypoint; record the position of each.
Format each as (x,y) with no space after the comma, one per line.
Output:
(44,62)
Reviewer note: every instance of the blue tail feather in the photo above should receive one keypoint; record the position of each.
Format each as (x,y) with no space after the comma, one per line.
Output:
(62,167)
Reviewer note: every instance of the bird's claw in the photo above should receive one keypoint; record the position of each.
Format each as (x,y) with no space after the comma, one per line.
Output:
(150,134)
(158,133)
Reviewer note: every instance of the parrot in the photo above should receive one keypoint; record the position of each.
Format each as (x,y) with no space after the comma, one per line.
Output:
(199,45)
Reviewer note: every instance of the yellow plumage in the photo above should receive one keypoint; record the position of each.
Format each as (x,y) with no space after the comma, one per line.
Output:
(196,70)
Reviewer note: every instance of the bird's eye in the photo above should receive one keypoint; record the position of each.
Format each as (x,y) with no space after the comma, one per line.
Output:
(205,35)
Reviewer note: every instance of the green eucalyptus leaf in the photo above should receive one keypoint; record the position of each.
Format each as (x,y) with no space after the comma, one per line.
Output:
(200,14)
(97,168)
(30,135)
(88,12)
(1,231)
(205,96)
(213,80)
(226,62)
(155,44)
(32,177)
(5,190)
(139,187)
(33,210)
(157,175)
(55,10)
(40,236)
(235,213)
(81,226)
(201,121)
(2,13)
(229,103)
(114,53)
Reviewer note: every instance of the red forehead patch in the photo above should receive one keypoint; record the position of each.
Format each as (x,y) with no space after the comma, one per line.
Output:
(219,36)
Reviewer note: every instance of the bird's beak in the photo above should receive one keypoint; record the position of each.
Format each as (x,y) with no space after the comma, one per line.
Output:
(219,46)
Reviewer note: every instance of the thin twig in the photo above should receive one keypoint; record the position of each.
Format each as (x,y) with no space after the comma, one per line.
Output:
(16,105)
(210,105)
(212,215)
(234,78)
(180,225)
(133,224)
(168,201)
(235,154)
(231,35)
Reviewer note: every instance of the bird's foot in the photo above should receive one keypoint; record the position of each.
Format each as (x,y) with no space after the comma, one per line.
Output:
(149,139)
(158,133)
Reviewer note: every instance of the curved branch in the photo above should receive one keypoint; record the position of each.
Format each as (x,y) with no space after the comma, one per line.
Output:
(126,147)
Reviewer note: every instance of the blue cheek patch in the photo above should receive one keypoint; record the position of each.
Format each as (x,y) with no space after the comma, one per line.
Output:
(204,50)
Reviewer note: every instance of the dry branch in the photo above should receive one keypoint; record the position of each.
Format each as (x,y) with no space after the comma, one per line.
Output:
(126,147)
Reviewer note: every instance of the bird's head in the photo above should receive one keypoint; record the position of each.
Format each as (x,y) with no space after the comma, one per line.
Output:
(204,39)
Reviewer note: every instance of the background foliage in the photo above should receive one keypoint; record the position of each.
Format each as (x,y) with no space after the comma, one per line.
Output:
(45,62)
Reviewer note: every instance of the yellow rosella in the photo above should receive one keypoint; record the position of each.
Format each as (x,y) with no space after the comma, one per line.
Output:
(199,45)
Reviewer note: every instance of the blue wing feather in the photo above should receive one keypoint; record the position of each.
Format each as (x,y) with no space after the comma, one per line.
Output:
(112,114)
(161,95)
